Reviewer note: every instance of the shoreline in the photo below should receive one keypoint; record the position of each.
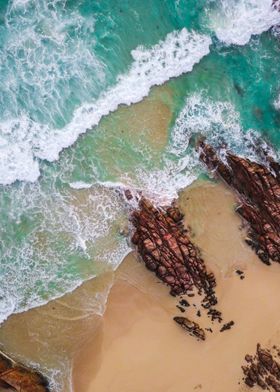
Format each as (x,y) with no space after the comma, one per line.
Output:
(117,351)
(138,342)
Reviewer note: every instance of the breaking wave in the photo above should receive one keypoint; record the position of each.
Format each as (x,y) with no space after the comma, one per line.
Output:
(235,21)
(23,140)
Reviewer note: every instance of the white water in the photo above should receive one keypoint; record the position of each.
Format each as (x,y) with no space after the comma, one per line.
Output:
(235,21)
(72,236)
(219,122)
(177,54)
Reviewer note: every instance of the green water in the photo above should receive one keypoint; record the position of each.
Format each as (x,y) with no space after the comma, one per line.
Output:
(61,218)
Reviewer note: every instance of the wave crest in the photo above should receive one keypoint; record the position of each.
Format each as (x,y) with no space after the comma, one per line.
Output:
(234,22)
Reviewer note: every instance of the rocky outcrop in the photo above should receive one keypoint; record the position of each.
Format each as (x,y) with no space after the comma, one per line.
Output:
(14,376)
(263,369)
(191,327)
(164,246)
(258,189)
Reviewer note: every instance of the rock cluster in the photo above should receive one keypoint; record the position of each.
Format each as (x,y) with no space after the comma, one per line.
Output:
(16,377)
(166,249)
(262,369)
(258,189)
(164,246)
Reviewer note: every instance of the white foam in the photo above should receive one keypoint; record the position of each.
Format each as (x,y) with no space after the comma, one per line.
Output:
(7,305)
(202,116)
(79,224)
(80,185)
(20,3)
(219,122)
(276,103)
(235,21)
(177,54)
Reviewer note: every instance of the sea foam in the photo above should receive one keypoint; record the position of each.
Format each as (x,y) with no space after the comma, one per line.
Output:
(175,55)
(235,21)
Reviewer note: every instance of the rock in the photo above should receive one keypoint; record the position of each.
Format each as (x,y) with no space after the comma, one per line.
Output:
(258,189)
(185,303)
(191,327)
(165,248)
(262,369)
(227,326)
(128,194)
(19,378)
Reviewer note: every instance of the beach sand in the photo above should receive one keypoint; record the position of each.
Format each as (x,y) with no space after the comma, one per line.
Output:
(138,347)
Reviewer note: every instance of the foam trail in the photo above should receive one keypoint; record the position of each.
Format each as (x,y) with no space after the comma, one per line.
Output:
(235,21)
(176,55)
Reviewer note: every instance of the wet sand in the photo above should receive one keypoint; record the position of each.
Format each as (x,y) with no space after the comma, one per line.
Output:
(138,347)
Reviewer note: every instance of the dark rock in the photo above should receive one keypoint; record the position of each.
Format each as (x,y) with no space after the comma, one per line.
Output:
(258,189)
(262,369)
(227,326)
(128,194)
(191,327)
(276,4)
(18,377)
(181,308)
(185,303)
(215,315)
(164,246)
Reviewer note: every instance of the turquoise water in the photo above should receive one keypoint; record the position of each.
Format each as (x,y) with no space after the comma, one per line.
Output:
(65,66)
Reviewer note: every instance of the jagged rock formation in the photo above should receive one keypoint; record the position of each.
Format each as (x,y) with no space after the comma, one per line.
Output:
(258,188)
(166,249)
(191,327)
(14,376)
(262,369)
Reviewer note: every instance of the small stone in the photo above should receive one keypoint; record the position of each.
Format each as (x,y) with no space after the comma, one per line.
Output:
(227,326)
(181,308)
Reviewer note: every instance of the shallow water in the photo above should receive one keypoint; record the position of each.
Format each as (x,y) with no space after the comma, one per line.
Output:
(85,75)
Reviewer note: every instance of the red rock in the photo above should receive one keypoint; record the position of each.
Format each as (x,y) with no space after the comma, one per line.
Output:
(164,246)
(13,375)
(258,189)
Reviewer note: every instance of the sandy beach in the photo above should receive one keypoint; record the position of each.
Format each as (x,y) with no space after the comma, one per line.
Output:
(136,346)
(139,348)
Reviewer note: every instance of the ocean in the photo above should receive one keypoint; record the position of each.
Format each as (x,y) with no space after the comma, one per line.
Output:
(72,77)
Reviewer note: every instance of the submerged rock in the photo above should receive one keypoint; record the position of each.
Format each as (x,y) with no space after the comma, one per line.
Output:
(258,189)
(14,376)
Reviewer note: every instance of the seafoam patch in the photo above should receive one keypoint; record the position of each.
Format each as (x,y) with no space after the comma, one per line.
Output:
(235,21)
